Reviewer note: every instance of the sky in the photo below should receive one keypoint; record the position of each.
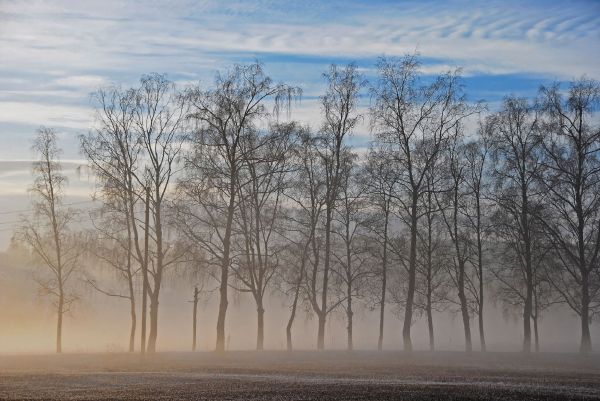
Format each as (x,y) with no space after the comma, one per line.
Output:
(53,54)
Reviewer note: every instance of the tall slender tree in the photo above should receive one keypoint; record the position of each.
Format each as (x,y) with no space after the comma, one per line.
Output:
(380,179)
(339,110)
(517,151)
(224,115)
(412,121)
(571,183)
(48,233)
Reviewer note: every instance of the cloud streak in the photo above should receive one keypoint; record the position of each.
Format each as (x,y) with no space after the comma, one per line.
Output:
(52,54)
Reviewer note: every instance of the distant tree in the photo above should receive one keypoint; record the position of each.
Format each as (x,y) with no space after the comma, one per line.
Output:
(432,289)
(339,109)
(110,246)
(261,182)
(517,154)
(508,271)
(112,150)
(412,121)
(353,257)
(306,198)
(452,206)
(47,233)
(159,121)
(571,186)
(380,179)
(477,181)
(223,115)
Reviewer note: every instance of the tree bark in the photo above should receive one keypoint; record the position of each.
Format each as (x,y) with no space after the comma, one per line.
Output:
(133,318)
(194,318)
(411,275)
(383,282)
(464,309)
(480,268)
(153,323)
(349,315)
(260,335)
(323,314)
(223,303)
(288,329)
(61,303)
(586,338)
(528,308)
(430,317)
(321,331)
(145,283)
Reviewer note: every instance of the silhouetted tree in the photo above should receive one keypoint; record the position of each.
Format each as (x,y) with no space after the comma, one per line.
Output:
(380,179)
(517,151)
(47,233)
(224,116)
(412,122)
(339,110)
(571,186)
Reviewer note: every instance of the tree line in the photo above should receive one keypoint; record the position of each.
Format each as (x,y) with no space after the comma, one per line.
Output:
(451,204)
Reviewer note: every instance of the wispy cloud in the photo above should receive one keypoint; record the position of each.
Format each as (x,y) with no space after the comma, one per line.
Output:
(52,54)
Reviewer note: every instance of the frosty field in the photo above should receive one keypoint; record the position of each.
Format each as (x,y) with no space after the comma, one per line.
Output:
(300,376)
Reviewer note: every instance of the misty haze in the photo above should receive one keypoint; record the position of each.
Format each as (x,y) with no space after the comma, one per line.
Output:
(275,200)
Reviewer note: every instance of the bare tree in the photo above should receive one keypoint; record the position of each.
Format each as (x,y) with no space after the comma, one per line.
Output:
(352,254)
(47,232)
(412,122)
(260,190)
(306,199)
(224,115)
(452,206)
(516,147)
(571,183)
(380,180)
(111,245)
(432,257)
(477,183)
(115,152)
(339,106)
(159,120)
(508,271)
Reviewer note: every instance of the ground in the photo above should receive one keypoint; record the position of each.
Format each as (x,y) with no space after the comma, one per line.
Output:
(330,375)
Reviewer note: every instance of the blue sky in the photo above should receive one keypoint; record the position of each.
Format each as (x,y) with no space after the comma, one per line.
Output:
(54,53)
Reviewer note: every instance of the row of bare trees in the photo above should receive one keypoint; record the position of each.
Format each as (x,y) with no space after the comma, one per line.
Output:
(450,206)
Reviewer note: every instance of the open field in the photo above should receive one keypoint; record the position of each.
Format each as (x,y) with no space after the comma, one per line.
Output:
(300,376)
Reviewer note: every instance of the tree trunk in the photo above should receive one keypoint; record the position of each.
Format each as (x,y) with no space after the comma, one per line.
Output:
(323,315)
(528,308)
(480,267)
(153,322)
(535,332)
(223,303)
(411,275)
(349,315)
(260,335)
(586,338)
(464,309)
(145,282)
(321,331)
(194,318)
(133,325)
(383,283)
(430,324)
(288,329)
(60,310)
